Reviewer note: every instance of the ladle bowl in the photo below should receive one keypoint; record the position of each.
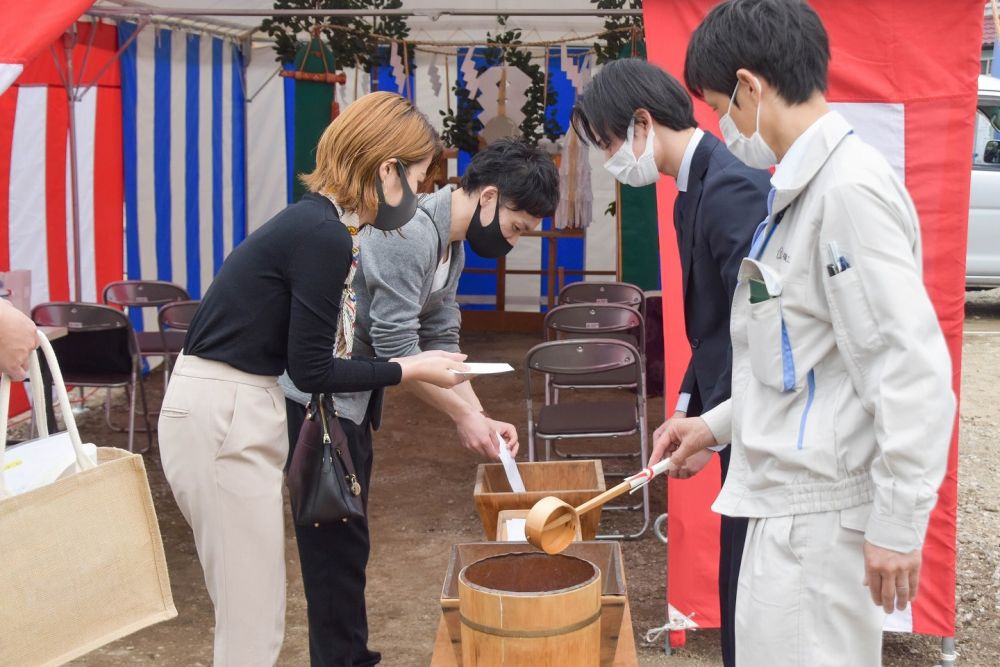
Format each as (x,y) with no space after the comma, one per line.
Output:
(552,523)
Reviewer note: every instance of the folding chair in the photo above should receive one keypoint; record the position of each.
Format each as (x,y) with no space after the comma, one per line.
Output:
(175,319)
(625,294)
(589,419)
(99,350)
(594,320)
(133,294)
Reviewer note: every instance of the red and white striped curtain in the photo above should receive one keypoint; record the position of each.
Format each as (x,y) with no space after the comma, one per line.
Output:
(35,195)
(36,228)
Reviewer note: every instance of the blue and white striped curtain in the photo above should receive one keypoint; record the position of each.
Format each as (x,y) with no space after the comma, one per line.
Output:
(184,124)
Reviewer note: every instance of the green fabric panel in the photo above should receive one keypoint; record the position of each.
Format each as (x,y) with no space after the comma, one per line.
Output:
(640,237)
(312,115)
(313,105)
(626,51)
(640,249)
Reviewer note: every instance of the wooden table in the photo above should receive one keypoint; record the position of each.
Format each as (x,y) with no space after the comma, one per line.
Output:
(444,654)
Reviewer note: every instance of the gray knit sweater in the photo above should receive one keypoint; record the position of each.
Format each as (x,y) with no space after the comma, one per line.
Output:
(398,315)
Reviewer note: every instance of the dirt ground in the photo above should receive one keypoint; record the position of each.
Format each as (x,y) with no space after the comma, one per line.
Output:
(421,504)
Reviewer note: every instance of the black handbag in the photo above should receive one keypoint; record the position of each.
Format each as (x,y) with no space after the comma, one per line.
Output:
(322,482)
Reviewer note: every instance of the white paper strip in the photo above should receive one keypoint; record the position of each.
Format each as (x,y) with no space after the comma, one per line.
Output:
(569,67)
(586,71)
(517,94)
(899,621)
(488,83)
(515,530)
(510,467)
(396,61)
(469,73)
(434,74)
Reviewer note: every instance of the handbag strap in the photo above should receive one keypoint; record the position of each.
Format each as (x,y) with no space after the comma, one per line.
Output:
(328,421)
(38,403)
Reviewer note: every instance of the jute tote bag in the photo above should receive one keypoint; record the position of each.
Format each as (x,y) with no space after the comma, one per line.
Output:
(81,560)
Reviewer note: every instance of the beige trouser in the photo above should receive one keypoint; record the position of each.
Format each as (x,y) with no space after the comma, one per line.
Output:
(223,444)
(801,599)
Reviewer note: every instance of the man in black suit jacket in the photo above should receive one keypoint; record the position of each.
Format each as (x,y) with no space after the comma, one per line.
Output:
(644,121)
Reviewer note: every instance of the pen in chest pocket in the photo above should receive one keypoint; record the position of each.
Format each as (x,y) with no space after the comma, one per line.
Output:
(838,262)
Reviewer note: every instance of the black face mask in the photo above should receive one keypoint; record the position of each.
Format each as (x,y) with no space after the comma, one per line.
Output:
(388,217)
(487,242)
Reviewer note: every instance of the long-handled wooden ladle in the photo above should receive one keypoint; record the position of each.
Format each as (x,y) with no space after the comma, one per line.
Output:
(552,524)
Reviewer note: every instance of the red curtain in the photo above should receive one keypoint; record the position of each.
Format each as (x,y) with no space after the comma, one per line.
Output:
(924,56)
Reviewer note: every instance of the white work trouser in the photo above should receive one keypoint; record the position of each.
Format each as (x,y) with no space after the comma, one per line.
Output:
(801,599)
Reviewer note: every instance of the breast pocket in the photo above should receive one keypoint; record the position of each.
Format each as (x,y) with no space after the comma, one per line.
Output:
(770,348)
(855,323)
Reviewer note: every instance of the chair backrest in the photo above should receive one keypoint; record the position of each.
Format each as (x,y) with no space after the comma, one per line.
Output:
(581,356)
(177,315)
(589,320)
(626,294)
(143,293)
(100,339)
(79,317)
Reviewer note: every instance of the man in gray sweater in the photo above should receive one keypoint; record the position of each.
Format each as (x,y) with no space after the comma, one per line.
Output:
(405,287)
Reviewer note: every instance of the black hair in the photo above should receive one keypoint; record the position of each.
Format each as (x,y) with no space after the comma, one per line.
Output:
(605,108)
(525,176)
(784,41)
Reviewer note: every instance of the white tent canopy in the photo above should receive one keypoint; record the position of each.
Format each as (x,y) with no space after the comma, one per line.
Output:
(266,187)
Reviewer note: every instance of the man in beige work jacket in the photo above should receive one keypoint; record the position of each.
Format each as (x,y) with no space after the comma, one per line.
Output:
(842,408)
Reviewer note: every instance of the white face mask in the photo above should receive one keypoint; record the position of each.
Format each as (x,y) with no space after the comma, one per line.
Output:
(753,151)
(624,166)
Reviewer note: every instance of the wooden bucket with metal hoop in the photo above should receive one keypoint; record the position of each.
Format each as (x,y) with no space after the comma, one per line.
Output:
(531,610)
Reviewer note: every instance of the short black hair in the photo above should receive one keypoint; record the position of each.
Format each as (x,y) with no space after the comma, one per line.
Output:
(782,40)
(525,176)
(605,108)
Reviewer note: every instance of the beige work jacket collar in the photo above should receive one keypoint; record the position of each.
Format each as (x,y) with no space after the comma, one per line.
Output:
(821,145)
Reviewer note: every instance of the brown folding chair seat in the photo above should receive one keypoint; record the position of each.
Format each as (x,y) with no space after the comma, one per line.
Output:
(586,419)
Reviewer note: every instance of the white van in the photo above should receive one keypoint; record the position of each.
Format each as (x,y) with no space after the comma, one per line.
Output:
(982,268)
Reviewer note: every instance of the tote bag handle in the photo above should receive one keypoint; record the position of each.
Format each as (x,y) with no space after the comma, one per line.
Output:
(38,403)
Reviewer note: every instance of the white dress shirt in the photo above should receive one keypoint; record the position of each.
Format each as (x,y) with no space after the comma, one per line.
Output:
(682,185)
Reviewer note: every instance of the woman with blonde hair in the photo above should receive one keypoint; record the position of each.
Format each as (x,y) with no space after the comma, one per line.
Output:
(282,300)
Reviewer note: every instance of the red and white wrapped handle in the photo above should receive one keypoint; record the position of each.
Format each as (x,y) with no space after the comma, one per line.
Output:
(645,476)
